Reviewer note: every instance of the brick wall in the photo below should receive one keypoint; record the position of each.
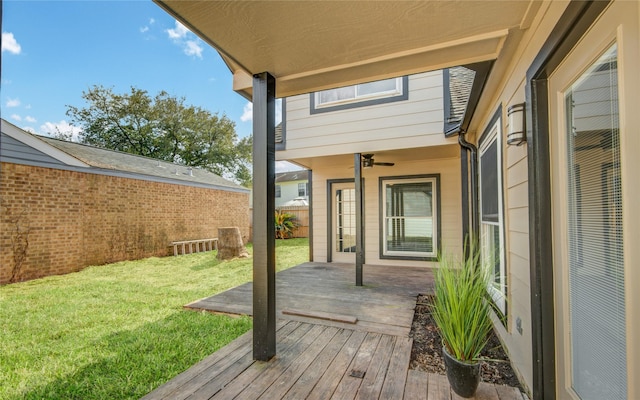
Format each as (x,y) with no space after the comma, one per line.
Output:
(72,220)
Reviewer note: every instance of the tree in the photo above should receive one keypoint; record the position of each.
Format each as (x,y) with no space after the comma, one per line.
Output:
(165,128)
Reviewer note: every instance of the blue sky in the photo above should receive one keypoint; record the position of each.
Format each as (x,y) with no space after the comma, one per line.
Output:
(52,51)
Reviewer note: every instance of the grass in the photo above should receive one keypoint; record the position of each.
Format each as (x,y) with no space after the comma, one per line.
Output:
(118,331)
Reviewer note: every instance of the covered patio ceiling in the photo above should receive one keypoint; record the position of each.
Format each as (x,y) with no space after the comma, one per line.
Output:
(314,45)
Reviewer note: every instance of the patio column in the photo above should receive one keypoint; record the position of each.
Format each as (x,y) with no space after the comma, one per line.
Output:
(357,166)
(264,260)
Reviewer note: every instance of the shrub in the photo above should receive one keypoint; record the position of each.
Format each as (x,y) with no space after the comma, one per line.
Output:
(285,224)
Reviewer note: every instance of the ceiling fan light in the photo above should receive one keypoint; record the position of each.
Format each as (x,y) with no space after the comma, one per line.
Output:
(367,162)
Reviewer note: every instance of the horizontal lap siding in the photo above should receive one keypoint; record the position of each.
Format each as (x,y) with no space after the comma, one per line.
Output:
(13,150)
(508,91)
(411,123)
(77,219)
(450,197)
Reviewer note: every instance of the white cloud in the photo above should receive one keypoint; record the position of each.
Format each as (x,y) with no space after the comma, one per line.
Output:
(52,128)
(30,119)
(247,112)
(180,32)
(29,129)
(16,117)
(180,35)
(146,28)
(192,48)
(13,102)
(10,44)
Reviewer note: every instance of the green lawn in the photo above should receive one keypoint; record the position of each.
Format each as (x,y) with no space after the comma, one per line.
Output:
(118,331)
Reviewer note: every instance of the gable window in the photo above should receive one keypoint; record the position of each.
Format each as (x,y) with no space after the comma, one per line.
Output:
(491,214)
(363,94)
(278,192)
(302,189)
(410,211)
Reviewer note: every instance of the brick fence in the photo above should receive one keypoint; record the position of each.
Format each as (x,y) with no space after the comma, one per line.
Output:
(69,220)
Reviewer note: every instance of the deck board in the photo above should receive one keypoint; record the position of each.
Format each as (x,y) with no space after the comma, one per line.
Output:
(351,378)
(256,369)
(375,375)
(416,385)
(331,378)
(396,378)
(289,376)
(310,377)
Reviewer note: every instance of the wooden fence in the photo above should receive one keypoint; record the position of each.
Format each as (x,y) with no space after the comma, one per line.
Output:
(302,219)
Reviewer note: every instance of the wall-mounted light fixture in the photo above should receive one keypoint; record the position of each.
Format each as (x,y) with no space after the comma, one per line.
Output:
(517,132)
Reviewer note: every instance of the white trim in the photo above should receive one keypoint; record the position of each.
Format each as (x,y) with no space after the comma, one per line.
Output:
(398,91)
(497,291)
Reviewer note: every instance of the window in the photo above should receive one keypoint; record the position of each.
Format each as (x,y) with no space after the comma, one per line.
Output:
(302,189)
(278,192)
(595,262)
(410,217)
(364,94)
(491,218)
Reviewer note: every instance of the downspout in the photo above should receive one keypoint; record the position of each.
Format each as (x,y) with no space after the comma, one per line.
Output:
(473,187)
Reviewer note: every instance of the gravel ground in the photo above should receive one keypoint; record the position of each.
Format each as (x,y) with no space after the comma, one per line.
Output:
(426,354)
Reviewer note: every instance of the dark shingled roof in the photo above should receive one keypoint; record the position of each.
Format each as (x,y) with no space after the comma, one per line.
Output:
(460,84)
(130,163)
(290,176)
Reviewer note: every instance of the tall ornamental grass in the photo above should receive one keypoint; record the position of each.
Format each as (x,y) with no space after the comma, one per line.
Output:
(460,306)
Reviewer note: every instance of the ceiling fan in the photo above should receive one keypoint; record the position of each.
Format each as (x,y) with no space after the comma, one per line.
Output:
(368,162)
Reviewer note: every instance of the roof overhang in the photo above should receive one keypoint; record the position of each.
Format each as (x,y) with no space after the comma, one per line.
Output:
(314,45)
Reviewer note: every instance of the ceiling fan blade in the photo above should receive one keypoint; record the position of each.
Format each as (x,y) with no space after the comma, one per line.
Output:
(386,164)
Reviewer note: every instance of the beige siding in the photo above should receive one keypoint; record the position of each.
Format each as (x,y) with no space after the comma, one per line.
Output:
(510,90)
(411,123)
(450,198)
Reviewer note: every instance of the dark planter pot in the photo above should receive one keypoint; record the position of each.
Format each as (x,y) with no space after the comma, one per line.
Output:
(463,378)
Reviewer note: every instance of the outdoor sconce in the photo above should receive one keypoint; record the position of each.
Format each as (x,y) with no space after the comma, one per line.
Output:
(517,133)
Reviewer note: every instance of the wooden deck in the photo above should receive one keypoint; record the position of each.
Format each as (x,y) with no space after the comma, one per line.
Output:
(334,341)
(321,292)
(316,361)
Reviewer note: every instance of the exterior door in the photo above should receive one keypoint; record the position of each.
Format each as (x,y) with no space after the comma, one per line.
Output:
(343,222)
(591,219)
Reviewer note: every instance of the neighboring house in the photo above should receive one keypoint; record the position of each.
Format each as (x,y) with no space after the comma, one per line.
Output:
(291,186)
(65,206)
(556,214)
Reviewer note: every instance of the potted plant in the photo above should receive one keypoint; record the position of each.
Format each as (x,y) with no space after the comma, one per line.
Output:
(461,312)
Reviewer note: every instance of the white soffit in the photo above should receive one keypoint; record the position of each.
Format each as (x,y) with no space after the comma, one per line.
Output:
(314,45)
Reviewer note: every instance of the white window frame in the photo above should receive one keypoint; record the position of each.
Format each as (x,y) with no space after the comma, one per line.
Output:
(497,290)
(398,91)
(386,253)
(302,187)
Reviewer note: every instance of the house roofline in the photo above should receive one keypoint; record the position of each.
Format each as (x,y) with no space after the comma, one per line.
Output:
(37,143)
